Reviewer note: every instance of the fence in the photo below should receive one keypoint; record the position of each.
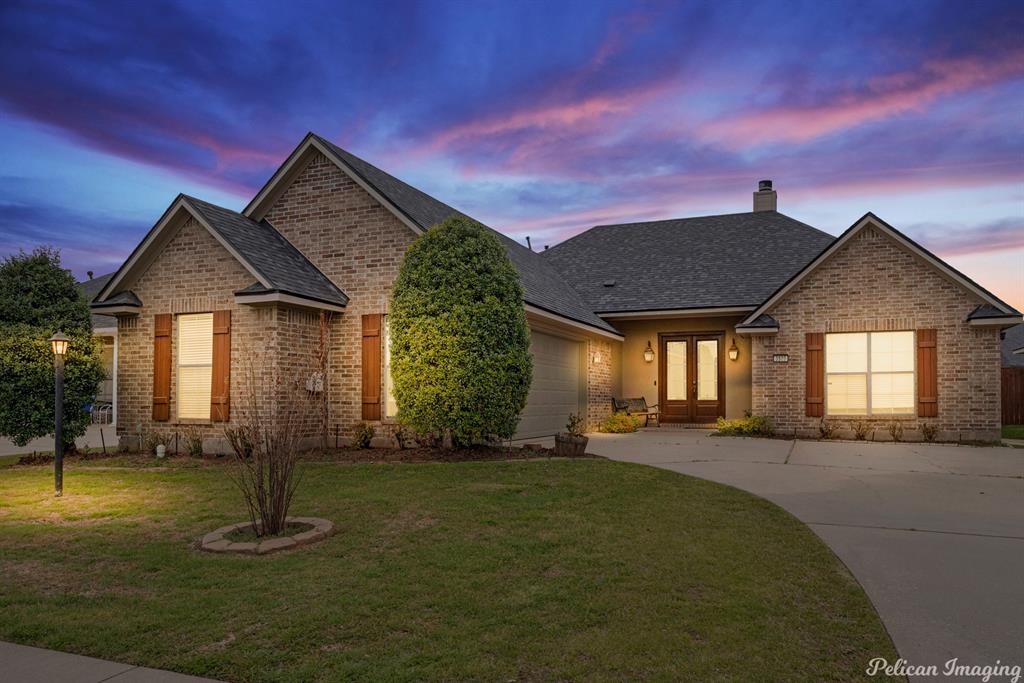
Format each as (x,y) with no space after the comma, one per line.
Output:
(1013,396)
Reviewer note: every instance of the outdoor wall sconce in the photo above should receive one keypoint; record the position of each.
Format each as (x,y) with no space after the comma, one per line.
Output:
(597,359)
(648,353)
(734,351)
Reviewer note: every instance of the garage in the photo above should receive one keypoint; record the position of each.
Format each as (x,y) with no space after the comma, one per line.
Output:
(557,389)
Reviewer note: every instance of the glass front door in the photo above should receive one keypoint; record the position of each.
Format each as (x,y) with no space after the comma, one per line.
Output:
(690,376)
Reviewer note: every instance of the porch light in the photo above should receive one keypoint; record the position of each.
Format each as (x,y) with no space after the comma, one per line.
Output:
(734,351)
(597,359)
(59,344)
(648,353)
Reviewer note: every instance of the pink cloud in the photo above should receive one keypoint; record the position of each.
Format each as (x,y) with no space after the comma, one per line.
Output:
(884,97)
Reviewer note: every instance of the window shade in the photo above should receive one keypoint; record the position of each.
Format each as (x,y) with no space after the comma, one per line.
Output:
(847,394)
(195,365)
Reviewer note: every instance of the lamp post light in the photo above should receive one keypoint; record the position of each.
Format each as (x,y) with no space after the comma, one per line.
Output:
(59,344)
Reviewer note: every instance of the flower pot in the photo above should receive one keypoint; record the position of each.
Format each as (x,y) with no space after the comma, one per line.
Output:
(568,446)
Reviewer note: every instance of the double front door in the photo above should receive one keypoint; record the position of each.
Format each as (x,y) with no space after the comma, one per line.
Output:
(691,377)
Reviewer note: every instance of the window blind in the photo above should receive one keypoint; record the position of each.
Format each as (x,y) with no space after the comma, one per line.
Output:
(195,365)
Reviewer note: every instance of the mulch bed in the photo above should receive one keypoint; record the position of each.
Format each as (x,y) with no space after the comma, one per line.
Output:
(340,455)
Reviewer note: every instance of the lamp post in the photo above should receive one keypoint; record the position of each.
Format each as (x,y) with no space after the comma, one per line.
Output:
(59,344)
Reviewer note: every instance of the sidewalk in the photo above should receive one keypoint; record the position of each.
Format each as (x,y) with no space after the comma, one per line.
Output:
(34,665)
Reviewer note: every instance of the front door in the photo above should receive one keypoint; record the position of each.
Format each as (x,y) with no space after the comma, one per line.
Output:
(690,377)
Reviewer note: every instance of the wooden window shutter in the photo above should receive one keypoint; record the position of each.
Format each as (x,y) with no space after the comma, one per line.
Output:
(371,365)
(815,374)
(220,390)
(162,367)
(927,373)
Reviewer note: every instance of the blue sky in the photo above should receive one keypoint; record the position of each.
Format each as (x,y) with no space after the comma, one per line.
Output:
(540,119)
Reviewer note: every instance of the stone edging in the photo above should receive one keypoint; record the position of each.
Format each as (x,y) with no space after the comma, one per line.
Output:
(215,542)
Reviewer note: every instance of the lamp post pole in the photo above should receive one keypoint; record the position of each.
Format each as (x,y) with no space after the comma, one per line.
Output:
(59,344)
(58,432)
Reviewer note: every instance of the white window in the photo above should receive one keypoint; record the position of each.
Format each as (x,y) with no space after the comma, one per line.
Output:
(869,373)
(195,365)
(390,406)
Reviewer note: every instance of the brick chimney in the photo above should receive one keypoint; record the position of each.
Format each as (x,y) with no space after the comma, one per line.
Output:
(765,199)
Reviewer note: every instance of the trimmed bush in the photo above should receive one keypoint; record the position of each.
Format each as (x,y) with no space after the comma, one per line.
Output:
(620,423)
(37,298)
(752,425)
(362,435)
(460,347)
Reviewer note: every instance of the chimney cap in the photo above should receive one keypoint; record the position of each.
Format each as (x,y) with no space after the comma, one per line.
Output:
(764,185)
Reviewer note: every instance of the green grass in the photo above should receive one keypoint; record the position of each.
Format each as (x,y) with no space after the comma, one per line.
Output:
(541,570)
(1013,431)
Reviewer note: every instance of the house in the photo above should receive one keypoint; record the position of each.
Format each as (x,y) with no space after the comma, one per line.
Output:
(707,317)
(104,329)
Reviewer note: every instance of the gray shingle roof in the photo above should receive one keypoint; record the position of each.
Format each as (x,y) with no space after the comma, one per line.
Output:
(89,289)
(1013,339)
(710,261)
(270,254)
(542,285)
(763,321)
(126,297)
(985,311)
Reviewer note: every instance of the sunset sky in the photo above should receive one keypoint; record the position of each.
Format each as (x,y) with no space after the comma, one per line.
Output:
(538,118)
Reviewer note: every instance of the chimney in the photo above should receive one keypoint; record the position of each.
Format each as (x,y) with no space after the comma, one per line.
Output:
(765,199)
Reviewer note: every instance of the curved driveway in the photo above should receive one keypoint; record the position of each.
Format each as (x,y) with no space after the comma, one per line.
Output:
(934,533)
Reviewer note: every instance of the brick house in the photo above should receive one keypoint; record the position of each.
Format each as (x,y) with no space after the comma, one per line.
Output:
(706,317)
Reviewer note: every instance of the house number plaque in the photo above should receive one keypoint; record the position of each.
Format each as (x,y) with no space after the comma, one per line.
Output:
(780,358)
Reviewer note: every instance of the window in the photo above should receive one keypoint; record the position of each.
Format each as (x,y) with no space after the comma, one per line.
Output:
(390,406)
(195,365)
(869,373)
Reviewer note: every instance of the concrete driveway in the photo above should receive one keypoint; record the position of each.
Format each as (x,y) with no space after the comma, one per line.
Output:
(934,533)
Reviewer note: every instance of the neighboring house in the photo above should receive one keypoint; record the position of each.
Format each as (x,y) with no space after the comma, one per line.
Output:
(708,317)
(1013,347)
(104,328)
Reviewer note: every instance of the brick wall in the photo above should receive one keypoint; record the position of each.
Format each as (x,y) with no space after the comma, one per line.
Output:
(193,274)
(358,244)
(599,381)
(874,284)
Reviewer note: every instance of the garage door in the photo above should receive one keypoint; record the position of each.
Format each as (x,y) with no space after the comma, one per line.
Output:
(556,388)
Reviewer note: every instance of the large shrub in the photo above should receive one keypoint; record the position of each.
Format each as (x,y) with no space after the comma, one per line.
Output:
(460,347)
(37,298)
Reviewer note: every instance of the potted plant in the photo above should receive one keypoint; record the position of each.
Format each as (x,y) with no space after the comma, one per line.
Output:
(571,443)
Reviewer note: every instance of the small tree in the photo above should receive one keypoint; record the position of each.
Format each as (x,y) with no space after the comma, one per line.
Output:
(37,298)
(460,347)
(266,445)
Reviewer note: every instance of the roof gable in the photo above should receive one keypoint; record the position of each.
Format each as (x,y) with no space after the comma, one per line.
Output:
(258,247)
(543,286)
(871,220)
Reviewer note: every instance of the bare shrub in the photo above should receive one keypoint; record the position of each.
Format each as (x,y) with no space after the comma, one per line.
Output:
(827,429)
(860,429)
(265,445)
(896,430)
(194,441)
(929,431)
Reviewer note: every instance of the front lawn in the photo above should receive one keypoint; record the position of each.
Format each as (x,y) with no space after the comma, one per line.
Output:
(1013,431)
(541,570)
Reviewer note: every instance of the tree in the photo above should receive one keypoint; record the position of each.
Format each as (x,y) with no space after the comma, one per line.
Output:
(460,347)
(37,298)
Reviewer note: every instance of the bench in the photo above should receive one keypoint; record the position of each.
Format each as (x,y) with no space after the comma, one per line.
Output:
(638,407)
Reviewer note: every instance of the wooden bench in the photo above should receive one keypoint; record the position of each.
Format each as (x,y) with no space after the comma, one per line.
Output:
(638,407)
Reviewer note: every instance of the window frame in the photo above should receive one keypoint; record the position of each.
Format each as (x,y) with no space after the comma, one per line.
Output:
(386,380)
(178,365)
(868,372)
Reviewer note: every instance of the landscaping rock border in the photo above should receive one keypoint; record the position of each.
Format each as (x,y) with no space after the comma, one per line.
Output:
(215,541)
